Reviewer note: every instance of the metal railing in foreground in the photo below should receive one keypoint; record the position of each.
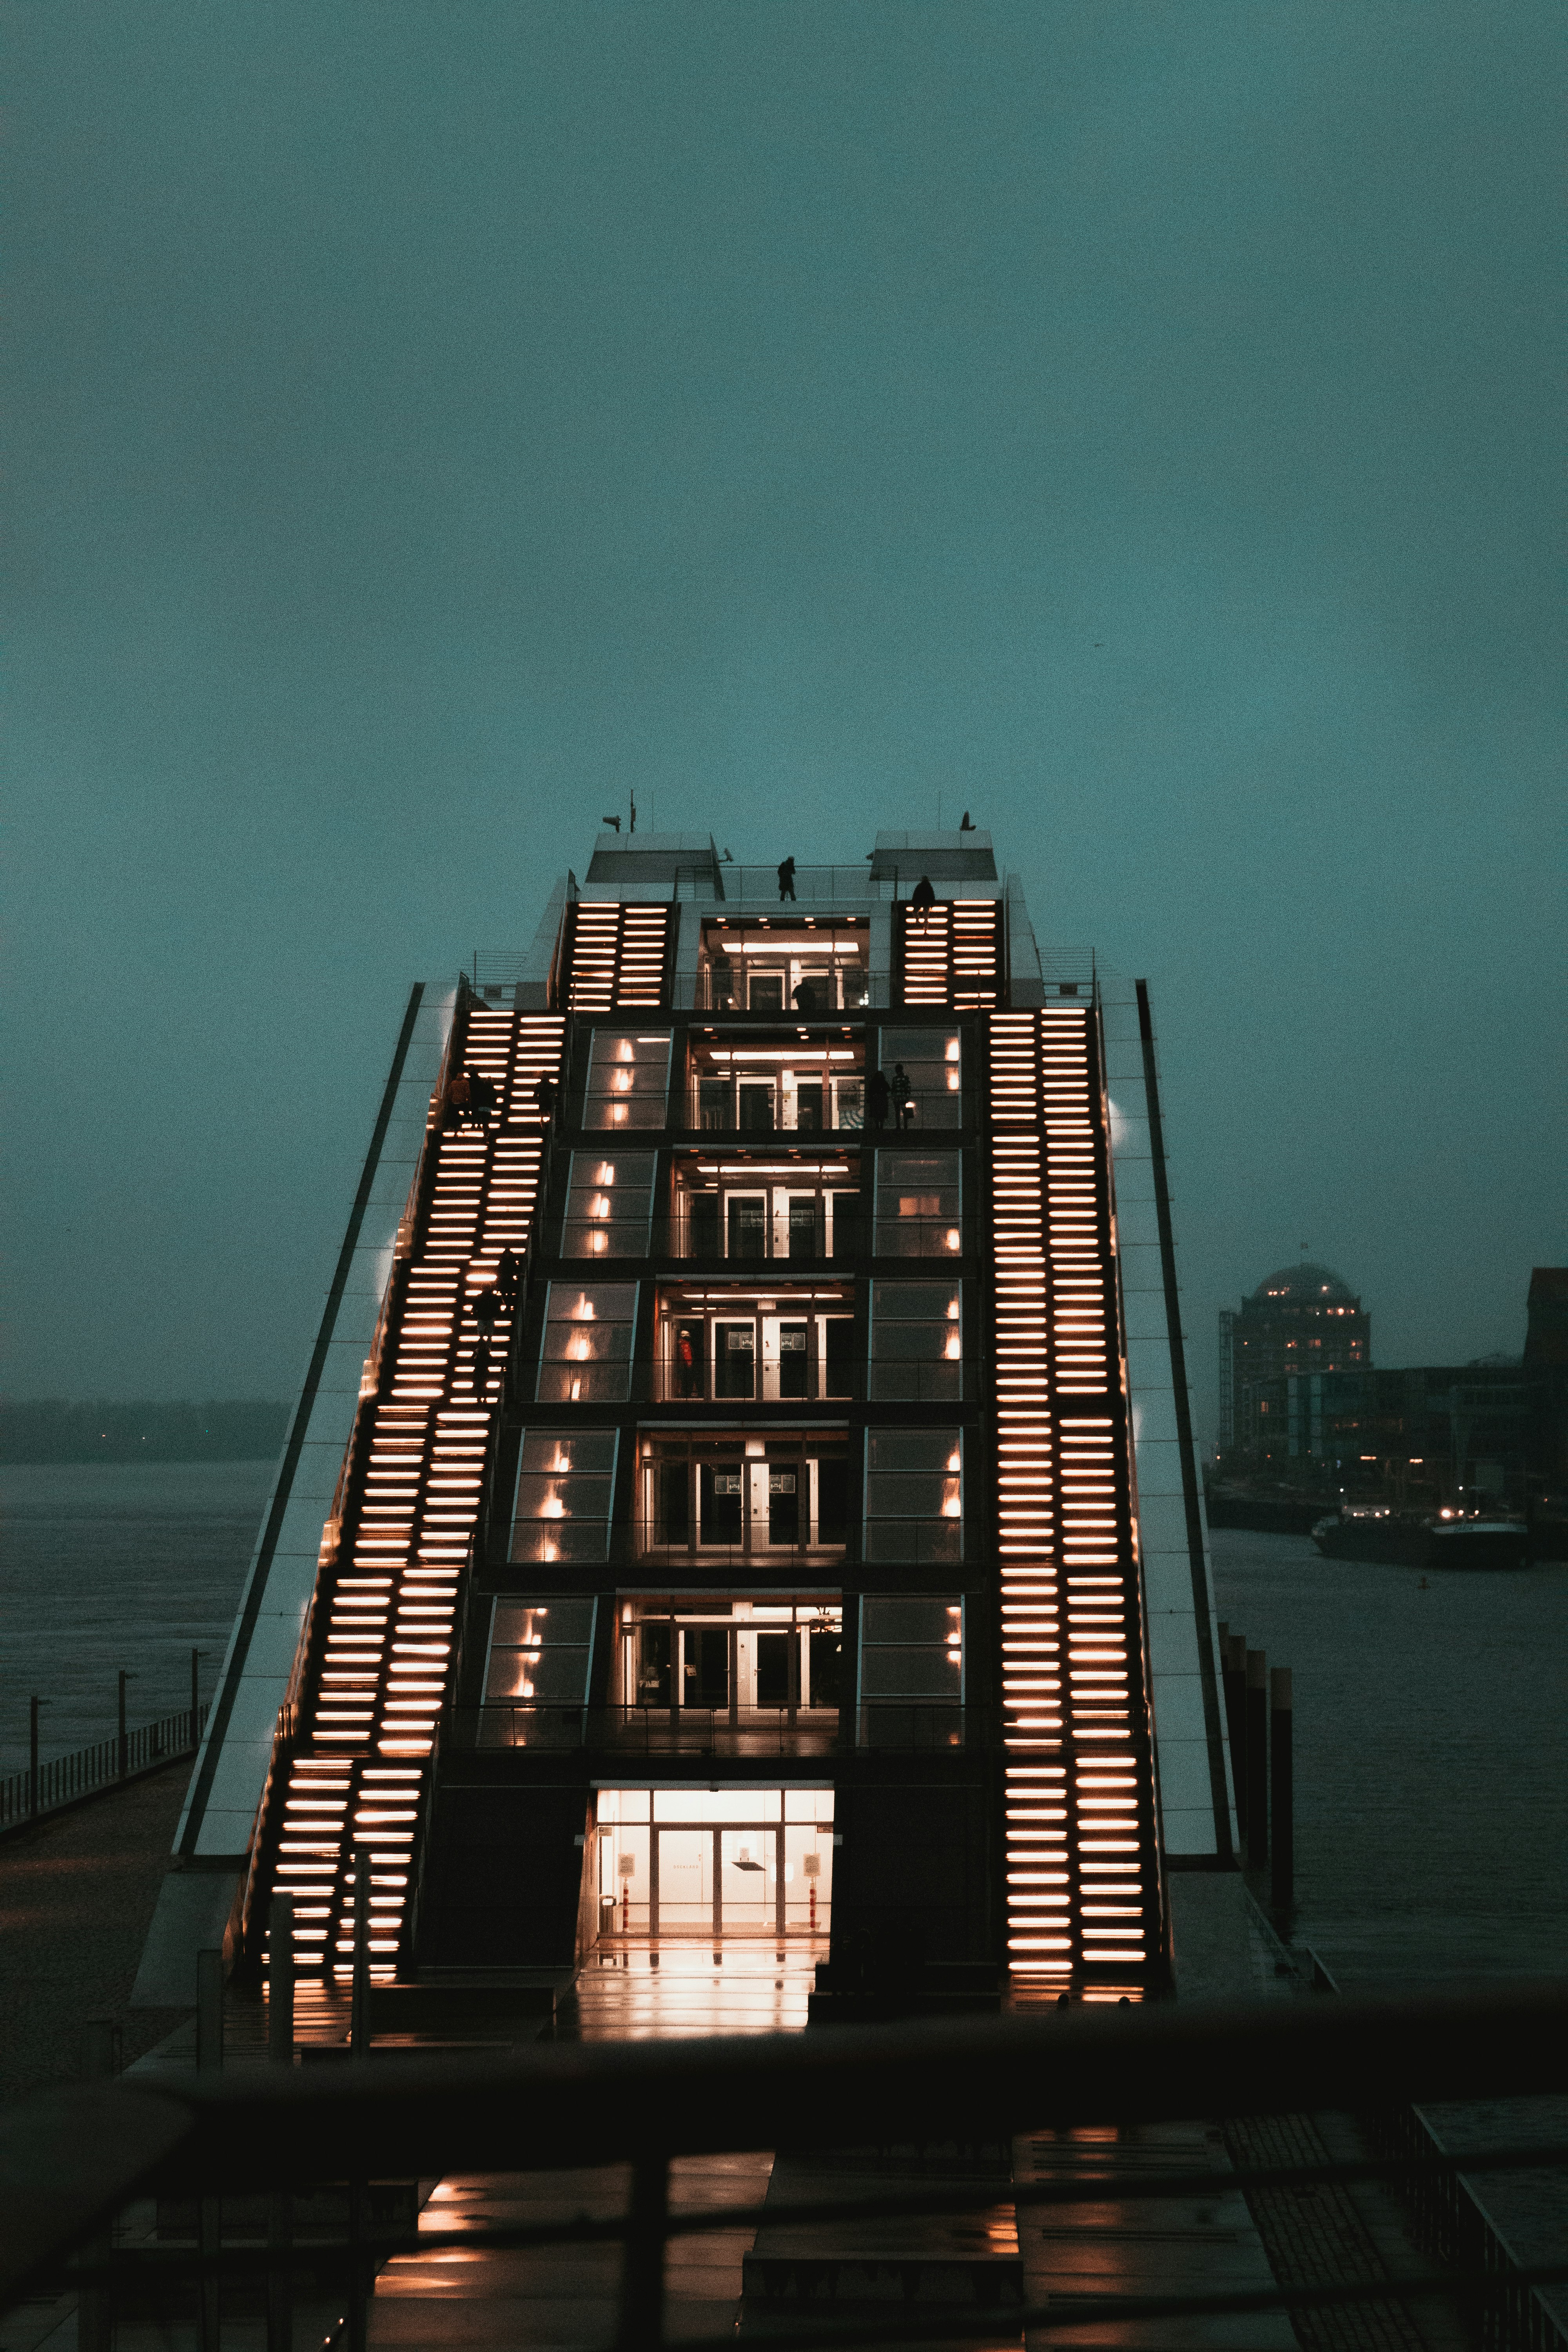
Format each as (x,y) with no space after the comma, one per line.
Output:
(46,1787)
(69,2159)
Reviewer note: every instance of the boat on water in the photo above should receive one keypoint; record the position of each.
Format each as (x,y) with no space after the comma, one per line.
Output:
(1447,1538)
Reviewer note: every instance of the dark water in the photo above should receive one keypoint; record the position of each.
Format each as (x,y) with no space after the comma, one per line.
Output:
(104,1566)
(1431,1739)
(1431,1756)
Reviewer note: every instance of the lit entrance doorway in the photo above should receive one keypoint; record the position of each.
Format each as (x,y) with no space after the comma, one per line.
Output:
(713,1865)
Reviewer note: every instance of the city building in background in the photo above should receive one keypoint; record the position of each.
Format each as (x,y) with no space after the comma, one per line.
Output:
(1422,1436)
(1300,1320)
(745,1486)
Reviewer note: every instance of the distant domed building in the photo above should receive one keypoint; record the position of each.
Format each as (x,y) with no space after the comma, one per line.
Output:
(1301,1319)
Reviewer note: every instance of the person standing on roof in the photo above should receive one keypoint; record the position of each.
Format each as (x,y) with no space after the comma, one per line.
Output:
(786,879)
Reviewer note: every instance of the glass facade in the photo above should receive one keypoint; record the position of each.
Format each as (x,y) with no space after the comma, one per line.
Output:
(628,1078)
(565,1487)
(586,1354)
(917,1341)
(914,1496)
(609,1205)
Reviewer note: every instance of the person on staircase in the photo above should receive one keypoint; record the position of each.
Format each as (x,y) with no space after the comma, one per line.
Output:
(544,1095)
(509,1273)
(481,1369)
(458,1100)
(923,897)
(481,1097)
(486,1304)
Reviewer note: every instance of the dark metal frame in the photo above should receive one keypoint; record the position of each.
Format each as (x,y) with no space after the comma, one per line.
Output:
(69,2159)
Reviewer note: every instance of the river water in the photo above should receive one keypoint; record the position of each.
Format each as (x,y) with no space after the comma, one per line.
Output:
(105,1565)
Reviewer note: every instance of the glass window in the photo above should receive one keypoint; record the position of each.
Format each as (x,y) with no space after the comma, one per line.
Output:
(914,1495)
(586,1354)
(917,1340)
(911,1671)
(805,1087)
(924,1072)
(565,1485)
(918,1204)
(628,1079)
(539,1652)
(727,1494)
(609,1205)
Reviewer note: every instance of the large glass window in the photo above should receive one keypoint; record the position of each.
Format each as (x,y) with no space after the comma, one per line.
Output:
(924,1075)
(917,1341)
(628,1079)
(914,1495)
(804,1087)
(808,969)
(919,1201)
(733,1344)
(911,1671)
(586,1354)
(752,1496)
(740,1657)
(565,1487)
(751,1210)
(539,1652)
(609,1205)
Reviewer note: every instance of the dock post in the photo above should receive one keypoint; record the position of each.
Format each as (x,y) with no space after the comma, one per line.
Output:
(281,2049)
(209,2210)
(95,2312)
(1258,1757)
(1282,1769)
(1234,1722)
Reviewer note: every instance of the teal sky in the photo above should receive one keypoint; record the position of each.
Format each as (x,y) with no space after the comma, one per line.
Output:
(423,423)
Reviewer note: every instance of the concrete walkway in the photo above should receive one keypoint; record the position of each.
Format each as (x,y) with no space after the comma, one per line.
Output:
(76,1895)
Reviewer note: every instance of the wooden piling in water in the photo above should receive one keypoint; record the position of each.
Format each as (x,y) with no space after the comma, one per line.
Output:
(1258,1757)
(1282,1759)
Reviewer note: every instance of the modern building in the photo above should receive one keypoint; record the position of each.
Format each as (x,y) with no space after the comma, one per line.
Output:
(745,1485)
(1300,1320)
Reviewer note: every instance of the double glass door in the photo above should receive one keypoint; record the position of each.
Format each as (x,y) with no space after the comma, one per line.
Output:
(715,1880)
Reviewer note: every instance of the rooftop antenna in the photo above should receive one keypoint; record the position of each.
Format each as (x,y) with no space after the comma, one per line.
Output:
(634,812)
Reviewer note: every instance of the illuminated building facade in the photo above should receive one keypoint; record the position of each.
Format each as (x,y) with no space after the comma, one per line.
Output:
(745,1486)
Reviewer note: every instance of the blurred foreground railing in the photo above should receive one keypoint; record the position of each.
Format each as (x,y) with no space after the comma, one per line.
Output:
(268,2137)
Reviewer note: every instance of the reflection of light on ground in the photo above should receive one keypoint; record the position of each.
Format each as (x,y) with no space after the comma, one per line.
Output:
(679,1989)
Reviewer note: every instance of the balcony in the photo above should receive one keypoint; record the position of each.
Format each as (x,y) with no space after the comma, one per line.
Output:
(891,1727)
